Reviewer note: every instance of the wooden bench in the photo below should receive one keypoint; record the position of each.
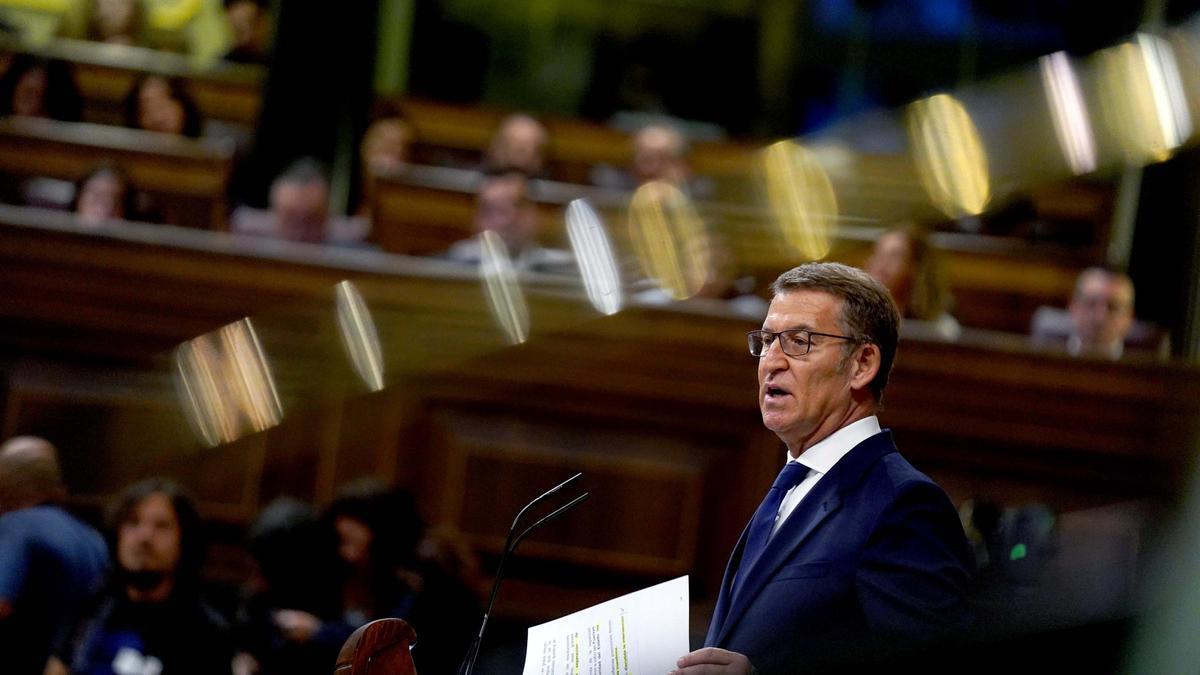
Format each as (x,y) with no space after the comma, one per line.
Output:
(654,404)
(105,73)
(998,282)
(187,177)
(575,145)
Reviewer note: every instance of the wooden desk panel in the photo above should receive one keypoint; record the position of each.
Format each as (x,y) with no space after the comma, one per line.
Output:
(189,177)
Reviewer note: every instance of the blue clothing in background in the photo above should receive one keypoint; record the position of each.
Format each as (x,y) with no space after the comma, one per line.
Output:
(50,564)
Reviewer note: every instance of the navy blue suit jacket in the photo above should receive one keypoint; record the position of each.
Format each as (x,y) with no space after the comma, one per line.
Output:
(873,559)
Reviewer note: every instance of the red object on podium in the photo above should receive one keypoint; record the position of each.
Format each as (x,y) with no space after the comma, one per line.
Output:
(378,648)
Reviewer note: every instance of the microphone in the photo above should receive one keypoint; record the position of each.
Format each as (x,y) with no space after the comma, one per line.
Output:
(510,545)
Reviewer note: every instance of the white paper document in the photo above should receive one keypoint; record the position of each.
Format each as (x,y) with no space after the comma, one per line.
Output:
(643,632)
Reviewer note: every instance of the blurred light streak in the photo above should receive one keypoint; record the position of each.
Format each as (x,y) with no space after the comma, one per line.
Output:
(594,253)
(949,155)
(1185,46)
(1142,98)
(359,335)
(503,291)
(1068,109)
(226,385)
(670,239)
(802,198)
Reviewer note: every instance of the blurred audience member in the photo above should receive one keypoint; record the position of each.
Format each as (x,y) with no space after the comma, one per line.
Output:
(391,568)
(660,153)
(151,618)
(384,151)
(504,206)
(250,29)
(385,566)
(299,210)
(910,267)
(1101,312)
(1099,320)
(50,563)
(157,103)
(38,87)
(117,22)
(104,194)
(518,144)
(286,531)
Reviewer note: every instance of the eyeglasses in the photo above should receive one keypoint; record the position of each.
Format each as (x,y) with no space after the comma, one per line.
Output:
(795,342)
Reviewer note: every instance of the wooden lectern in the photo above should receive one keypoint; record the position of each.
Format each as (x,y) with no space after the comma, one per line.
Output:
(378,648)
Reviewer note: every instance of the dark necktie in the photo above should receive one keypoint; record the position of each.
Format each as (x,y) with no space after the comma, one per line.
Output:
(764,518)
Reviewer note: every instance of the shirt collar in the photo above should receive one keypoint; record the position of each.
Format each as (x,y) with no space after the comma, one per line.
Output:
(822,456)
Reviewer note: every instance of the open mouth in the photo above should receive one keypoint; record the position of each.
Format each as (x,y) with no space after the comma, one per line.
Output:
(773,391)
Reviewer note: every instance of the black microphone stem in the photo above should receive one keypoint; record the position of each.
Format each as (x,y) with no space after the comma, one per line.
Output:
(510,544)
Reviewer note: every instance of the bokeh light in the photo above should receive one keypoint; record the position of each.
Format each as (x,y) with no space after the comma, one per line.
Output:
(949,155)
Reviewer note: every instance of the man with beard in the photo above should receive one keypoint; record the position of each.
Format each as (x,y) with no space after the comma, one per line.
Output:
(151,620)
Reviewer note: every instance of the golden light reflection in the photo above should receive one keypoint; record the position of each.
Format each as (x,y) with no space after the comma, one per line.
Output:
(949,155)
(802,198)
(594,253)
(669,239)
(1142,98)
(226,385)
(1068,110)
(359,336)
(503,292)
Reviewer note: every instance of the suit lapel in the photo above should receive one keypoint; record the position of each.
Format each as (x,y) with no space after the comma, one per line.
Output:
(816,507)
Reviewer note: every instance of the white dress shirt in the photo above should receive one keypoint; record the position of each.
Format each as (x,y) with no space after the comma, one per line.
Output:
(820,458)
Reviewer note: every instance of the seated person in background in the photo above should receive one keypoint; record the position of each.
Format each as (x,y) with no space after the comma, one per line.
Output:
(283,594)
(117,22)
(151,618)
(387,567)
(384,151)
(250,29)
(519,144)
(906,263)
(299,210)
(157,103)
(104,193)
(50,563)
(1099,320)
(504,206)
(38,87)
(660,153)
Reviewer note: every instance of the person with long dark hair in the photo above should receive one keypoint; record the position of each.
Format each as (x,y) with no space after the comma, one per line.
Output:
(162,104)
(35,86)
(151,617)
(389,566)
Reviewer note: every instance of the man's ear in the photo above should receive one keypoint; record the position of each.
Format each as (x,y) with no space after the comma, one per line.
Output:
(864,366)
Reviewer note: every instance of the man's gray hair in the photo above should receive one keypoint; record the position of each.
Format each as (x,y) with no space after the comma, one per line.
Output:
(869,313)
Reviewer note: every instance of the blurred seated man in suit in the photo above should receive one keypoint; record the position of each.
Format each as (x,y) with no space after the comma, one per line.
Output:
(1099,320)
(150,619)
(299,210)
(853,556)
(519,143)
(50,562)
(1101,312)
(660,153)
(504,206)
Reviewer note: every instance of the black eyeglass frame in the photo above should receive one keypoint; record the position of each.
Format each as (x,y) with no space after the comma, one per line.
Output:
(775,336)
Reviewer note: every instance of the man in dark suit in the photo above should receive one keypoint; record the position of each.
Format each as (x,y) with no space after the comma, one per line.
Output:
(854,555)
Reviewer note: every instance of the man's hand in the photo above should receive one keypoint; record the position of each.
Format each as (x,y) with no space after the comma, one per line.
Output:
(295,625)
(713,661)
